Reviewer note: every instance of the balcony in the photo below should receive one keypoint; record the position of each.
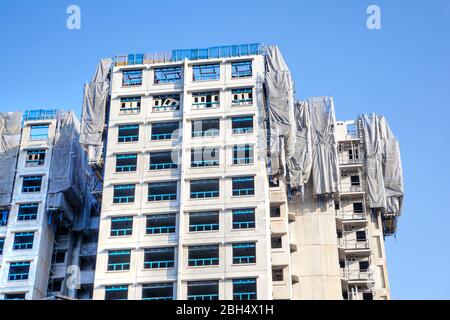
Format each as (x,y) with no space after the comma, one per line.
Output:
(353,244)
(88,250)
(356,275)
(351,215)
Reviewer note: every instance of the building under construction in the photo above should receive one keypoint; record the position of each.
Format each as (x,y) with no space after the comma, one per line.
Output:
(216,183)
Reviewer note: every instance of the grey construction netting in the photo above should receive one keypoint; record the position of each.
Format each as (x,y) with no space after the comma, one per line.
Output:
(383,165)
(94,106)
(10,132)
(280,101)
(299,166)
(68,171)
(325,168)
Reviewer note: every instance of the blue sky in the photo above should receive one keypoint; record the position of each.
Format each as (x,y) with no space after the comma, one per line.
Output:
(401,71)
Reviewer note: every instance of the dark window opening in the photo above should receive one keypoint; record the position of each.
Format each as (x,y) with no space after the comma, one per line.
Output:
(124,193)
(19,271)
(244,253)
(243,186)
(203,290)
(200,256)
(244,218)
(119,260)
(361,236)
(166,102)
(157,291)
(204,157)
(205,128)
(244,289)
(277,274)
(201,189)
(165,130)
(116,293)
(358,207)
(126,162)
(275,212)
(242,97)
(241,125)
(242,154)
(130,105)
(204,221)
(206,100)
(160,224)
(128,133)
(121,226)
(32,184)
(157,258)
(23,241)
(162,191)
(35,158)
(164,160)
(277,242)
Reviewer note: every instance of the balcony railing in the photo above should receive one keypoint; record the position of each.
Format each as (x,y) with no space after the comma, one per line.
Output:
(350,215)
(346,160)
(350,188)
(356,275)
(353,244)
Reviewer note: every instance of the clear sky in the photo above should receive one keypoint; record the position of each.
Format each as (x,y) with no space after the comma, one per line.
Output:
(401,71)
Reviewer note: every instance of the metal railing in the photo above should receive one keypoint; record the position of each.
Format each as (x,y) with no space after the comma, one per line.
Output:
(353,244)
(350,215)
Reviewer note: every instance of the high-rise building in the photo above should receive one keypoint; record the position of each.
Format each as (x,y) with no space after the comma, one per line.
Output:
(219,185)
(47,211)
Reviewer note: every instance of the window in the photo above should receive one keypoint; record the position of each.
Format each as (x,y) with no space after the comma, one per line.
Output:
(129,105)
(367,296)
(157,291)
(353,154)
(166,102)
(163,160)
(244,289)
(204,221)
(205,128)
(275,212)
(358,207)
(273,183)
(364,266)
(243,186)
(60,256)
(277,274)
(242,154)
(119,260)
(121,226)
(55,285)
(128,133)
(201,256)
(35,158)
(39,132)
(206,72)
(23,240)
(360,235)
(167,75)
(157,258)
(204,157)
(15,296)
(241,69)
(242,97)
(28,211)
(242,125)
(4,215)
(206,100)
(244,253)
(19,271)
(244,218)
(355,181)
(32,184)
(116,293)
(162,191)
(124,193)
(201,189)
(276,242)
(203,290)
(2,244)
(165,130)
(126,162)
(132,78)
(160,224)
(135,59)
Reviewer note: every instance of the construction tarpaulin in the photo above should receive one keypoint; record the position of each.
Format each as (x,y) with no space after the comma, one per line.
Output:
(376,195)
(299,166)
(280,102)
(393,171)
(383,165)
(95,99)
(325,169)
(67,176)
(10,132)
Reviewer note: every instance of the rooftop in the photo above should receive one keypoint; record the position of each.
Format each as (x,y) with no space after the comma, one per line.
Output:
(190,54)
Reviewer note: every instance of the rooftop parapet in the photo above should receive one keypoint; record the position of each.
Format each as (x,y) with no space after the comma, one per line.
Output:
(190,54)
(37,115)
